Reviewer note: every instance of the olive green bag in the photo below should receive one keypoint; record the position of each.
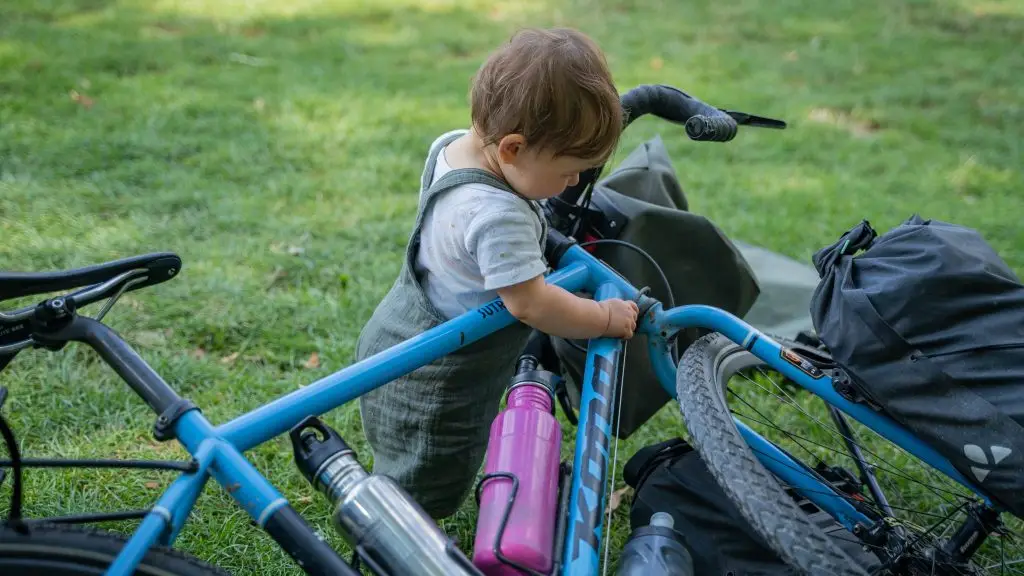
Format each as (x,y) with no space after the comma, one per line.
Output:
(644,204)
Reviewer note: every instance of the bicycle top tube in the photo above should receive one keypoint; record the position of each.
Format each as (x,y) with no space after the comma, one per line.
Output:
(577,270)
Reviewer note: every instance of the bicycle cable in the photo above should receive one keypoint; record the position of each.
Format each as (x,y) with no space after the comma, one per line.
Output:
(664,279)
(615,455)
(669,300)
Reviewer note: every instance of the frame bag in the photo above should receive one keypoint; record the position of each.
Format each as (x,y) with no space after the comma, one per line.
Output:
(927,325)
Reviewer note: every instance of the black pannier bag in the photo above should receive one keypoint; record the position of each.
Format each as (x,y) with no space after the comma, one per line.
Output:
(671,477)
(927,324)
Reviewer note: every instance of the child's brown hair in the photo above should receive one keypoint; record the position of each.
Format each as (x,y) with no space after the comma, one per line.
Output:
(553,87)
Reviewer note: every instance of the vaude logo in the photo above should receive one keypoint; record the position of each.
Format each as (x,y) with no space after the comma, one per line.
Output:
(977,454)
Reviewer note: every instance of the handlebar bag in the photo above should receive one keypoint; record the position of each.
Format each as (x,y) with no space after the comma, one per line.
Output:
(927,325)
(644,197)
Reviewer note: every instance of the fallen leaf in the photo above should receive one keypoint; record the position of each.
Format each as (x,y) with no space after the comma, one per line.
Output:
(151,485)
(657,63)
(167,29)
(312,362)
(792,56)
(82,99)
(199,353)
(248,60)
(304,499)
(149,338)
(254,358)
(276,277)
(838,118)
(259,104)
(230,358)
(616,498)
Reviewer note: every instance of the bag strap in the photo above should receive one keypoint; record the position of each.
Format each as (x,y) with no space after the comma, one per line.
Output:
(868,314)
(859,237)
(647,458)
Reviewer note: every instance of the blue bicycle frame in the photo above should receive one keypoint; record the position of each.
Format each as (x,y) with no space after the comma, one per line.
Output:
(218,450)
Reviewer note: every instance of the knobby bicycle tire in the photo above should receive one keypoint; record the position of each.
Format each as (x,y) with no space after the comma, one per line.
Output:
(757,494)
(68,550)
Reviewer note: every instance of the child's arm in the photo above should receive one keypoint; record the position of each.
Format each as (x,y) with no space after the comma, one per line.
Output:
(502,236)
(555,311)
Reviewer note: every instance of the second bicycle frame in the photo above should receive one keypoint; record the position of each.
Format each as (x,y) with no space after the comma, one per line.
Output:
(218,450)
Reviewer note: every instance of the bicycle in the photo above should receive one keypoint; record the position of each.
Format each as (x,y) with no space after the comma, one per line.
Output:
(747,465)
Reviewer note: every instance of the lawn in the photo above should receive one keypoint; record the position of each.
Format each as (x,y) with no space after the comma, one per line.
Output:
(276,146)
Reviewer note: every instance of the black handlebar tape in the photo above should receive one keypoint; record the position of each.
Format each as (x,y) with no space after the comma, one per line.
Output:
(711,129)
(665,102)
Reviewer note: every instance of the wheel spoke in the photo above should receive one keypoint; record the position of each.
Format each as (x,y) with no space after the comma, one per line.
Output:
(835,491)
(889,467)
(795,437)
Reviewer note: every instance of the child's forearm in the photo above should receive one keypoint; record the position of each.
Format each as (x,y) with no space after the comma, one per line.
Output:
(555,311)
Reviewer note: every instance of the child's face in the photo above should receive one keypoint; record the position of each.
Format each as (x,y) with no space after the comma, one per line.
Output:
(538,174)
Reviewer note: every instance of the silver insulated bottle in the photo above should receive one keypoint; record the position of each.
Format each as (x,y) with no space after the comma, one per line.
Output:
(389,531)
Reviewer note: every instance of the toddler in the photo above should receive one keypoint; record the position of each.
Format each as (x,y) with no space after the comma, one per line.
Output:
(544,109)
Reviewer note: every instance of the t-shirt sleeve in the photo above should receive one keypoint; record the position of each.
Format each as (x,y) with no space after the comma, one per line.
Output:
(504,239)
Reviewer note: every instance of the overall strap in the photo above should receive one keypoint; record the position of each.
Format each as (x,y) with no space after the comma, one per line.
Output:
(458,177)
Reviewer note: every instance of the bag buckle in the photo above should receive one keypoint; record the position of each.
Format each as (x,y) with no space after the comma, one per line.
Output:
(843,384)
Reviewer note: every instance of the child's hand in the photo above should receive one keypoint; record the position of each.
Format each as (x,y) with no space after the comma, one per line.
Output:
(621,318)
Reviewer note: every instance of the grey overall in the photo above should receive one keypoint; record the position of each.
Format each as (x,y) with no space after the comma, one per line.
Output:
(428,430)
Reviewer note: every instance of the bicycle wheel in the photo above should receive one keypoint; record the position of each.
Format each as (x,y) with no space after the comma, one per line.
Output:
(63,550)
(719,380)
(764,504)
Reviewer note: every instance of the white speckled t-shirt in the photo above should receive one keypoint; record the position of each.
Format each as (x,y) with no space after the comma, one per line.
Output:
(474,240)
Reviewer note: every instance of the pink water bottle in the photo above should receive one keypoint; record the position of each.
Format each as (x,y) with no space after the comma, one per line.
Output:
(524,444)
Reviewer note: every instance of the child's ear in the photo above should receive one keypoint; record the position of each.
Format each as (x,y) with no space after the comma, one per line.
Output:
(511,147)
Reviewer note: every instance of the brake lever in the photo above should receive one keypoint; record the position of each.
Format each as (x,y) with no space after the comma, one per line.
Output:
(744,119)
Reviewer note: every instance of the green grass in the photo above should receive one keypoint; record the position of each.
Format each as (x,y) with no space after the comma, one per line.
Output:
(277,145)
